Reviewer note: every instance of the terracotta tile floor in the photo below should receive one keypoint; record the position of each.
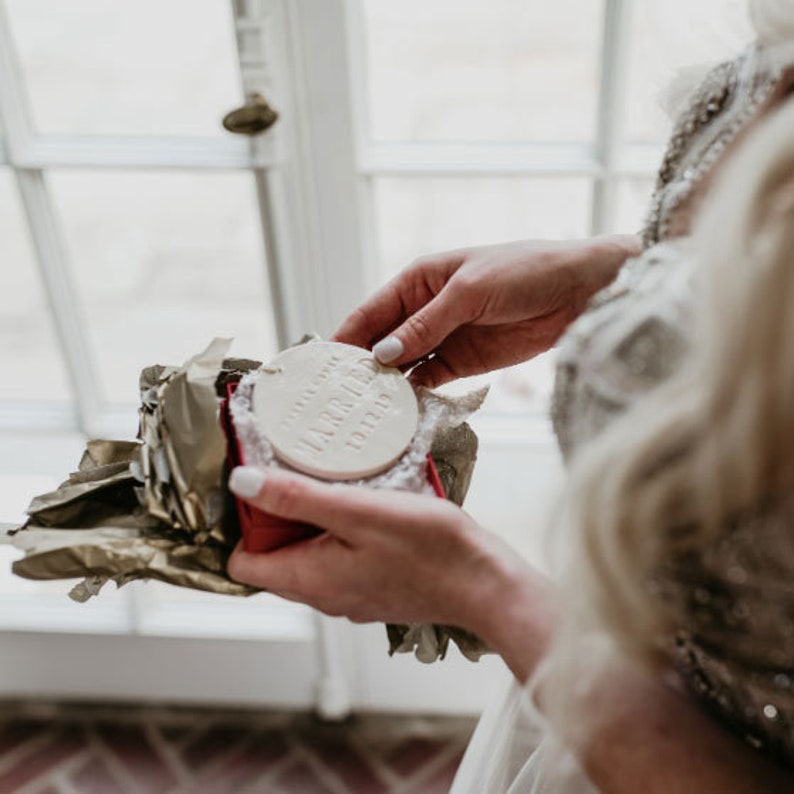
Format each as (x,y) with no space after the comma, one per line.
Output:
(76,749)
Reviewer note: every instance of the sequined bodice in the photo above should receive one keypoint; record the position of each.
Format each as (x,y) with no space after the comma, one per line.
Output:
(735,648)
(631,338)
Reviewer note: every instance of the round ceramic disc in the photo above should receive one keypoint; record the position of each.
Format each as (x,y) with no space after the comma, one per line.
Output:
(332,411)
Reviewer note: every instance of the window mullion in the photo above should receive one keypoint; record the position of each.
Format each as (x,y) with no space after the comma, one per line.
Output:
(324,153)
(414,158)
(297,57)
(45,234)
(261,31)
(357,78)
(612,98)
(266,193)
(147,152)
(14,109)
(255,39)
(55,274)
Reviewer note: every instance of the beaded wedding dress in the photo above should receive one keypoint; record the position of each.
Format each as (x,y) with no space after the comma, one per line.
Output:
(735,648)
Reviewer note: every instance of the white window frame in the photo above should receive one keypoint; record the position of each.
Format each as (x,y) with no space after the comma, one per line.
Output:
(314,174)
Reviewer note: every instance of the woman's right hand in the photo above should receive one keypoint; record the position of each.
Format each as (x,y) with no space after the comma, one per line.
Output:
(474,310)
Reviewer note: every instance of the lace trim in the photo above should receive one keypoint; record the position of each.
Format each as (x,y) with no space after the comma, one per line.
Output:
(721,107)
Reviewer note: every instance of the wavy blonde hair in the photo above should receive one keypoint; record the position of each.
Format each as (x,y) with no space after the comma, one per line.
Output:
(715,439)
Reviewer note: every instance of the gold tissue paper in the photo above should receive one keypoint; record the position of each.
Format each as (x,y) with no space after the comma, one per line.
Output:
(158,507)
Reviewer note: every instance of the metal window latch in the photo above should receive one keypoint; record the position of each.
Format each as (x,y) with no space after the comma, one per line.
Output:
(253,118)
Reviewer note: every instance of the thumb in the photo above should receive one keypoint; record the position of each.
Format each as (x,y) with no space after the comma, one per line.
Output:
(422,332)
(339,509)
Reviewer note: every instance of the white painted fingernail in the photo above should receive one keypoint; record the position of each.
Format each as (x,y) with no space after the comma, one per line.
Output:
(388,349)
(247,481)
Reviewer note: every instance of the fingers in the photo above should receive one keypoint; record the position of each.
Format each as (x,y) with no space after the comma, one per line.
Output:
(321,572)
(423,331)
(457,357)
(289,572)
(343,510)
(369,322)
(389,307)
(409,292)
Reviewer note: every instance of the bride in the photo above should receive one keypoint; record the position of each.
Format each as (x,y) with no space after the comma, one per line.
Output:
(663,658)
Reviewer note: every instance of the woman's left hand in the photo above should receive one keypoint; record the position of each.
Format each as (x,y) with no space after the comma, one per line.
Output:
(392,556)
(385,555)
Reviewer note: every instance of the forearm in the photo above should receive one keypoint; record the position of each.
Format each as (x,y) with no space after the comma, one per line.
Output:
(408,558)
(510,605)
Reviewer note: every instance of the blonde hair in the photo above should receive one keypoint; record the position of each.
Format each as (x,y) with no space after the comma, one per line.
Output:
(667,478)
(715,439)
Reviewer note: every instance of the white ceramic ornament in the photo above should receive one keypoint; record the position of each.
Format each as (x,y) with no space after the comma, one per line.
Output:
(332,411)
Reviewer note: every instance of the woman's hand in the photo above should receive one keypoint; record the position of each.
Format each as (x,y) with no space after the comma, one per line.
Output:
(396,557)
(479,309)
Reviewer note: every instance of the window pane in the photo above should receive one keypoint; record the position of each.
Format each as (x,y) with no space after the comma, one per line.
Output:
(141,68)
(523,389)
(31,367)
(633,201)
(669,35)
(164,262)
(505,70)
(419,216)
(631,204)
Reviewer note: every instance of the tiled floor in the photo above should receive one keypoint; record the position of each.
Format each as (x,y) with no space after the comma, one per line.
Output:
(114,750)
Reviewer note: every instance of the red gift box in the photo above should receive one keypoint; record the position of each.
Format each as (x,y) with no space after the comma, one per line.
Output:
(265,532)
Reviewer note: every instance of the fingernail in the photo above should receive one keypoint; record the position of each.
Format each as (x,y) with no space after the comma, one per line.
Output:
(247,481)
(388,349)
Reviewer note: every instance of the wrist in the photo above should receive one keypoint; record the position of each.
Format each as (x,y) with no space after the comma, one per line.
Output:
(596,262)
(512,610)
(607,256)
(624,246)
